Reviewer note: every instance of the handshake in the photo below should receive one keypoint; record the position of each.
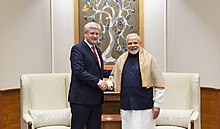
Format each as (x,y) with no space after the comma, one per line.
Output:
(105,85)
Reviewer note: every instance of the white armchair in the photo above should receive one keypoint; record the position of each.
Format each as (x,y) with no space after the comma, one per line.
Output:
(181,106)
(44,102)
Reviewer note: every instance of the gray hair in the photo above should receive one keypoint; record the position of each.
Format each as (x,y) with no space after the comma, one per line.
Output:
(133,34)
(91,25)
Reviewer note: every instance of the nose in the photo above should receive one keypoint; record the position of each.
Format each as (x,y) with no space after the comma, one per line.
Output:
(96,35)
(133,44)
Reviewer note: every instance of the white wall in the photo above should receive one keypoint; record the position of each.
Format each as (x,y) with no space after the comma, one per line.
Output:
(154,30)
(24,39)
(63,33)
(28,45)
(194,38)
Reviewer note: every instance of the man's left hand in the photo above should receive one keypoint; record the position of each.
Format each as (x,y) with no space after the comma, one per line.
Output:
(156,112)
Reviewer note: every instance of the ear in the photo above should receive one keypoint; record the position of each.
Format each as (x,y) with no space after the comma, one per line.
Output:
(140,42)
(84,35)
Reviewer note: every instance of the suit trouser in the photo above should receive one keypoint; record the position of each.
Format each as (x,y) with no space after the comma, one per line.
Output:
(88,116)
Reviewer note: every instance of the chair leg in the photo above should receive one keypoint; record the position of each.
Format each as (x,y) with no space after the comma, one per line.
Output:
(29,125)
(192,124)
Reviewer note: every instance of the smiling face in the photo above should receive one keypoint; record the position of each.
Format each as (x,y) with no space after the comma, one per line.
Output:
(133,43)
(92,36)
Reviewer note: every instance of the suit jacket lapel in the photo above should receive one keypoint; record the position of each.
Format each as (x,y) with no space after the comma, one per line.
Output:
(100,56)
(92,54)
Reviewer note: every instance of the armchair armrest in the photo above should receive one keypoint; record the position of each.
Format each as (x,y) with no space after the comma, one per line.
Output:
(193,118)
(29,121)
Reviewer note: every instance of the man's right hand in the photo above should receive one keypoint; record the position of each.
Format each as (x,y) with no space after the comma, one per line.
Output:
(102,85)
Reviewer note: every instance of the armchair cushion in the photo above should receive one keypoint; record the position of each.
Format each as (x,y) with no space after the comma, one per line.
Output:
(54,127)
(169,127)
(174,117)
(50,117)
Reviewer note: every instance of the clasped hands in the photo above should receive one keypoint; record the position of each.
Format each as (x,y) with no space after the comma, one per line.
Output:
(103,85)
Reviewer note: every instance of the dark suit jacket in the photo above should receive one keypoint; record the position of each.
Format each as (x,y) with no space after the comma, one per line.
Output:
(86,73)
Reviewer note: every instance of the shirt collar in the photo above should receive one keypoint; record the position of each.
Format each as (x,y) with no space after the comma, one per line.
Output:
(90,46)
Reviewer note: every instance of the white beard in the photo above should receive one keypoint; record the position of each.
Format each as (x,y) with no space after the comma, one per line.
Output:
(133,52)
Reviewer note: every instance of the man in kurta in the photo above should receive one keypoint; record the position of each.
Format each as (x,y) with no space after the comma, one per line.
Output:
(137,76)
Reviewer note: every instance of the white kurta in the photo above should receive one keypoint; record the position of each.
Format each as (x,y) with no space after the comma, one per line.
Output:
(137,119)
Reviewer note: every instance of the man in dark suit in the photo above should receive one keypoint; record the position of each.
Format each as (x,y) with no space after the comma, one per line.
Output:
(87,84)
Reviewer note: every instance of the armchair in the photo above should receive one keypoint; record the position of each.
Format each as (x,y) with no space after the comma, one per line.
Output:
(181,106)
(44,102)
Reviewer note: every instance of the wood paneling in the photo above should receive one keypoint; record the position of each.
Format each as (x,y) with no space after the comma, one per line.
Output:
(111,103)
(111,118)
(210,108)
(111,121)
(10,109)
